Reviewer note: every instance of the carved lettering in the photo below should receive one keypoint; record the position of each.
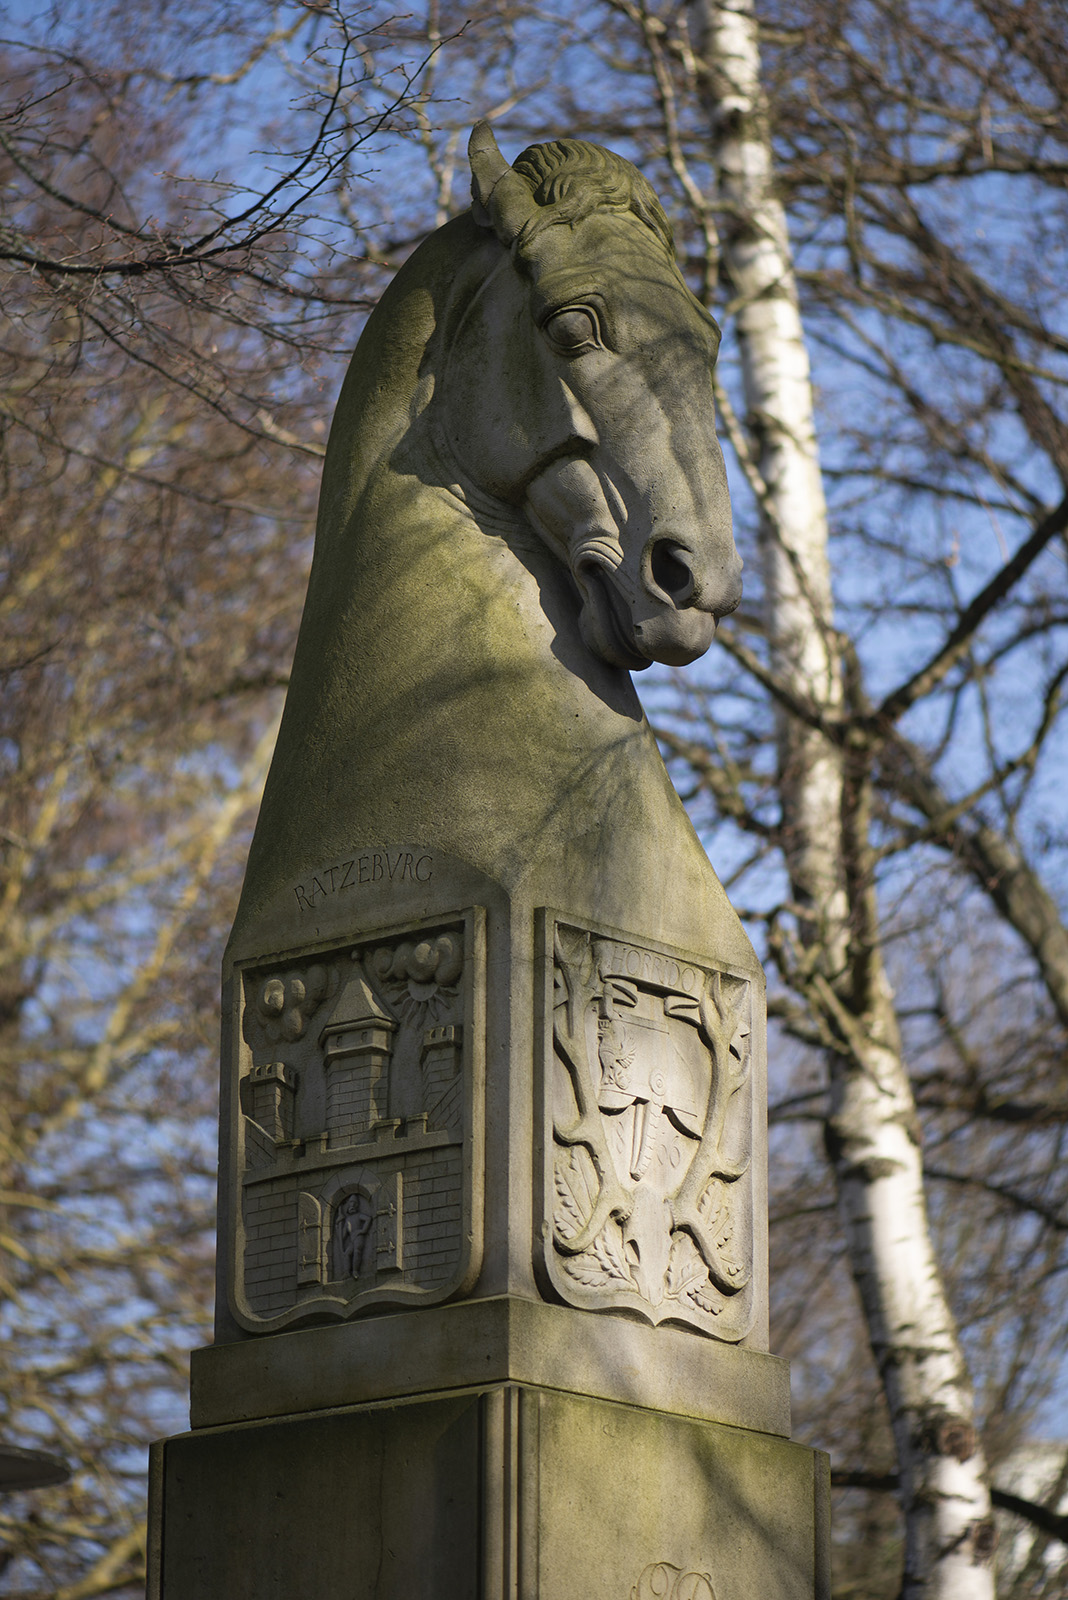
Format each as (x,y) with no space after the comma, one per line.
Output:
(375,867)
(662,1580)
(644,965)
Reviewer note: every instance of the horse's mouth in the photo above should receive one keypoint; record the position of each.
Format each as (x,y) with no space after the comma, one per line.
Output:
(677,637)
(604,620)
(673,636)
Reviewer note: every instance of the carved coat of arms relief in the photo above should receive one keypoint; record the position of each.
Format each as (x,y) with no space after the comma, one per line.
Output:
(649,1139)
(357,1153)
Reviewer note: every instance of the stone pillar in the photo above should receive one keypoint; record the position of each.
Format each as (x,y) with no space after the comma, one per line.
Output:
(526,1452)
(535,1367)
(492,1317)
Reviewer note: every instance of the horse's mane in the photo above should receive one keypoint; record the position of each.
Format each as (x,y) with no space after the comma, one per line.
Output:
(573,179)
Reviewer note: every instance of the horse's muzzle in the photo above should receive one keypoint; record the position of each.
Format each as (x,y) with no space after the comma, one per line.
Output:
(680,598)
(673,573)
(675,638)
(634,631)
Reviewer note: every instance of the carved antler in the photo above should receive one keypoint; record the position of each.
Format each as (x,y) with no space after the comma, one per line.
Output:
(569,1034)
(719,1021)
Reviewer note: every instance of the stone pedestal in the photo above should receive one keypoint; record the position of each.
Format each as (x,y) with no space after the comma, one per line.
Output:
(492,1311)
(526,1452)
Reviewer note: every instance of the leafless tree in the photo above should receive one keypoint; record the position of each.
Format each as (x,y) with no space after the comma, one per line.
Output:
(171,344)
(846,176)
(871,198)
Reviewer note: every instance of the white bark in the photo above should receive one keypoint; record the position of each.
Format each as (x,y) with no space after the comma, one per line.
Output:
(873,1136)
(778,392)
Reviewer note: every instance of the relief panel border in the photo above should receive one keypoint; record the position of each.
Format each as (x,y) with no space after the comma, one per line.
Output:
(399,1295)
(710,1257)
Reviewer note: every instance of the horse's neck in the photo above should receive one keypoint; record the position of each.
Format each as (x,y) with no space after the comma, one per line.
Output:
(446,665)
(441,693)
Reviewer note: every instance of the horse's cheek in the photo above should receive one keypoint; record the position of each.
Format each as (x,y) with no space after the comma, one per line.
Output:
(568,503)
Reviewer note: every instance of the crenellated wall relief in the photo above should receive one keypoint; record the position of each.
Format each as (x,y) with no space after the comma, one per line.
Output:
(357,1153)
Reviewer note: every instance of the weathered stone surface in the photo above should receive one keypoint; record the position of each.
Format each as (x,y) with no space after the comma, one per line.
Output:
(492,1305)
(523,498)
(380,1119)
(490,1341)
(504,516)
(359,1156)
(503,1491)
(648,1130)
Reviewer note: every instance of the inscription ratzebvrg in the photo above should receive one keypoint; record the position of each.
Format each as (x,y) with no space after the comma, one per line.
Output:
(374,866)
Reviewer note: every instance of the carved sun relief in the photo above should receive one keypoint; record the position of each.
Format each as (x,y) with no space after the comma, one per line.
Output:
(650,1194)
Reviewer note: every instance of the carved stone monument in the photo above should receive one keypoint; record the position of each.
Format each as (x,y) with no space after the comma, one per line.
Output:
(492,1306)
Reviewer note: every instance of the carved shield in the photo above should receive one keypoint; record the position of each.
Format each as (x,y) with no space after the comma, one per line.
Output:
(648,1130)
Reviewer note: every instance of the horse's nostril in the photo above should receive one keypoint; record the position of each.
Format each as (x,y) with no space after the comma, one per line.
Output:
(670,573)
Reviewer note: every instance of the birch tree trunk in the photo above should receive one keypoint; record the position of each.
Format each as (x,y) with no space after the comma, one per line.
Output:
(872,1136)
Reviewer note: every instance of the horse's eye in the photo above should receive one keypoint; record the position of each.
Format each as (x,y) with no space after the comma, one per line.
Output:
(573,329)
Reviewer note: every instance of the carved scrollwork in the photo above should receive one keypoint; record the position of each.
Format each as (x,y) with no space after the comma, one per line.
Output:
(651,1132)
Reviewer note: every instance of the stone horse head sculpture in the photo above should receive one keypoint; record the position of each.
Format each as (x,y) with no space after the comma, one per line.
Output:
(597,421)
(523,498)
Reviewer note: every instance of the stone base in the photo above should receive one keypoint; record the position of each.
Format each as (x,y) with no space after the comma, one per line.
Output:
(478,1344)
(499,1492)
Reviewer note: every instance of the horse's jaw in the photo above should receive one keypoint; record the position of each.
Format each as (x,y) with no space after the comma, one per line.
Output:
(637,634)
(652,605)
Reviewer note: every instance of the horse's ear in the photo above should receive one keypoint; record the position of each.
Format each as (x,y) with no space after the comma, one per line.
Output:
(501,199)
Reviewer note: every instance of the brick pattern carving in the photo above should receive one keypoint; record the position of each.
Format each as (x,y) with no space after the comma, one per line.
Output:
(358,1146)
(649,1133)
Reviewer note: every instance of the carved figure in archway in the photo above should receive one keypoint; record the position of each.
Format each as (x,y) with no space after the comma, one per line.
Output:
(350,1236)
